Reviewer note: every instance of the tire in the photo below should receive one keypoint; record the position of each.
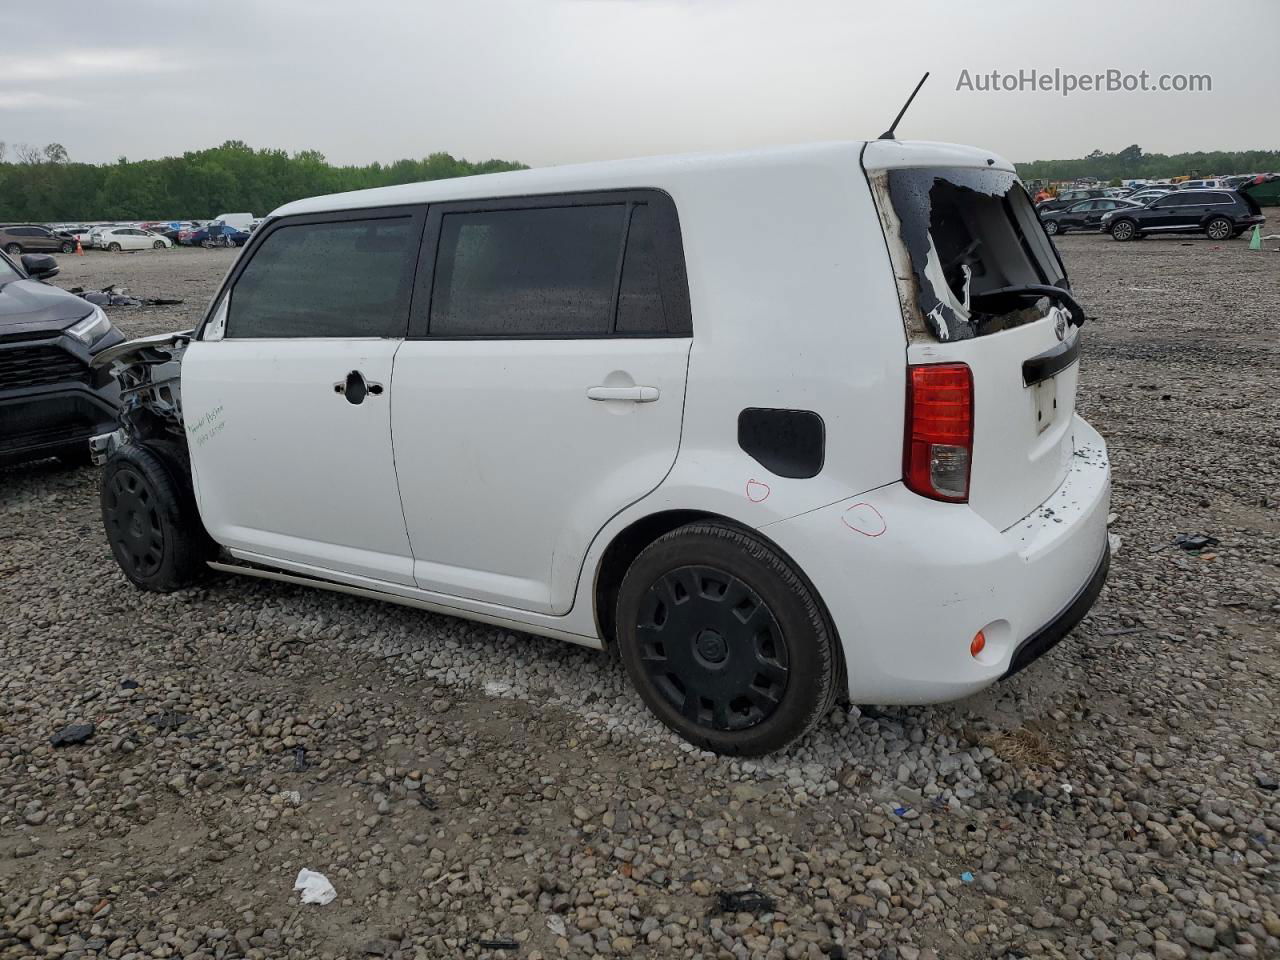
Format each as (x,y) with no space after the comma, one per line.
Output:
(158,245)
(1219,228)
(1051,227)
(207,244)
(113,247)
(1123,230)
(149,513)
(13,249)
(68,248)
(717,682)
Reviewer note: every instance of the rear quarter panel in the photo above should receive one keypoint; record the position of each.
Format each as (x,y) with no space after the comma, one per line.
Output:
(794,307)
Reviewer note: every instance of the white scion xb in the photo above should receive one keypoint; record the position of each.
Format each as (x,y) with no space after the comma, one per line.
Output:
(776,426)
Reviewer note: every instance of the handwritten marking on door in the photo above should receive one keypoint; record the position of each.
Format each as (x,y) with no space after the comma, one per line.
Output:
(757,492)
(207,427)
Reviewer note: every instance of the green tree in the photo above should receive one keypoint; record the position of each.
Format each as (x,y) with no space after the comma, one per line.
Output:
(45,185)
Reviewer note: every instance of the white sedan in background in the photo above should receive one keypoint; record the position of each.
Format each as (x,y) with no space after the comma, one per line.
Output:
(116,239)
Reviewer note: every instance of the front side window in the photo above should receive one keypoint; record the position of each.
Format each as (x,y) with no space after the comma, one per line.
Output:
(348,278)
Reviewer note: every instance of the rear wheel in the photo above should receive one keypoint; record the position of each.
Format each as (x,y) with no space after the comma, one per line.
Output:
(1219,228)
(725,641)
(1123,230)
(113,247)
(150,516)
(158,245)
(68,248)
(1051,227)
(13,249)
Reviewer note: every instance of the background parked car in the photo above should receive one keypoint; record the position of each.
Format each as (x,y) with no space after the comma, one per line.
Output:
(1146,196)
(1068,197)
(1085,215)
(216,235)
(1219,214)
(20,238)
(116,239)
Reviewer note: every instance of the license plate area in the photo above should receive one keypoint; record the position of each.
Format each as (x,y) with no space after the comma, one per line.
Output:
(1046,399)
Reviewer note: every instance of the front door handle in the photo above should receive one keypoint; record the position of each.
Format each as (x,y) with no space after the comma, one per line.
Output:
(355,388)
(633,394)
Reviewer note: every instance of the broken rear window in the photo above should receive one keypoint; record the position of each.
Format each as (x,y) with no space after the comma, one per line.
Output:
(980,262)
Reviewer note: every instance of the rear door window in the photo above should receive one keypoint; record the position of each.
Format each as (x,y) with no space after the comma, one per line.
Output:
(521,273)
(601,265)
(344,278)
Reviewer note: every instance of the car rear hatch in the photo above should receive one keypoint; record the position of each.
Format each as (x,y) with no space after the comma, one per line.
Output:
(981,284)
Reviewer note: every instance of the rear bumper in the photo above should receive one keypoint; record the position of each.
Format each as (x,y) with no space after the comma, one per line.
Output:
(909,581)
(1045,639)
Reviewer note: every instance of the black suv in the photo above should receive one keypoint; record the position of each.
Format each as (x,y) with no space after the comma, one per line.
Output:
(20,238)
(1219,214)
(49,403)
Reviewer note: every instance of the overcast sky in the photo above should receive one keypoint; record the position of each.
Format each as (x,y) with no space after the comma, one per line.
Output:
(556,81)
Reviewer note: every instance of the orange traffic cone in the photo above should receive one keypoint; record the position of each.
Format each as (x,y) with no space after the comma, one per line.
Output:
(79,249)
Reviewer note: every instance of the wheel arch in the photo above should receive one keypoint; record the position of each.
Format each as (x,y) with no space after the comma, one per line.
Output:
(631,540)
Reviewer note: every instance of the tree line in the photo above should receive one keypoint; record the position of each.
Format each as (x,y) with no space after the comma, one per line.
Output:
(1132,164)
(43,185)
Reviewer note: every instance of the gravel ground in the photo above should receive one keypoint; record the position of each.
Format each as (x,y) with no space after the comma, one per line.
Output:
(465,787)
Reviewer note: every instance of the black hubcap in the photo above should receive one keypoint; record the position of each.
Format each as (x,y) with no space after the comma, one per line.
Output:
(713,648)
(133,522)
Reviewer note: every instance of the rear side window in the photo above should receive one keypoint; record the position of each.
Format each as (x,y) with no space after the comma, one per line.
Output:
(348,278)
(640,308)
(517,273)
(564,267)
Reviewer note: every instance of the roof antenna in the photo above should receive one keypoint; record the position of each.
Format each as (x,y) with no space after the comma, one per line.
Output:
(889,134)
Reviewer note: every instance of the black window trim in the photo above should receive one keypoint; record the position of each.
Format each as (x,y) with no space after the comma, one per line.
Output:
(673,282)
(416,211)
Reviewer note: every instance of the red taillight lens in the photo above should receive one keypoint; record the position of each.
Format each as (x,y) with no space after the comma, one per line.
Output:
(939,441)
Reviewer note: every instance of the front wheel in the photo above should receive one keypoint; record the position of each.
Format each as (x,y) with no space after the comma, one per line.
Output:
(13,249)
(725,641)
(158,245)
(151,520)
(68,248)
(1051,227)
(1219,228)
(1123,230)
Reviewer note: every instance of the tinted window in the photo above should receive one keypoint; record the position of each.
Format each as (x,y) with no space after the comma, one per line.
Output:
(1219,198)
(1194,197)
(534,272)
(640,293)
(1172,200)
(341,279)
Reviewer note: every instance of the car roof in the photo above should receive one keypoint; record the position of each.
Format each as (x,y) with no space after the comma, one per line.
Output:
(665,172)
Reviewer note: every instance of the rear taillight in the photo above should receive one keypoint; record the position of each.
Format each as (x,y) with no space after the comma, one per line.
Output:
(939,440)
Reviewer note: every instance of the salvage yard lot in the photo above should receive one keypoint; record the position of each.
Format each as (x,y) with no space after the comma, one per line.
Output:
(463,786)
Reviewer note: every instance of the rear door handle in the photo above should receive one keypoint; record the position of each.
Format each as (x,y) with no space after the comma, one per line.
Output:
(634,394)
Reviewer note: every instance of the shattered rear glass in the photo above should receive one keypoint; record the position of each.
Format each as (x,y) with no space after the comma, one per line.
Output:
(972,238)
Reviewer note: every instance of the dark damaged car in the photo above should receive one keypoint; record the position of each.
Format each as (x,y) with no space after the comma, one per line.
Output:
(49,403)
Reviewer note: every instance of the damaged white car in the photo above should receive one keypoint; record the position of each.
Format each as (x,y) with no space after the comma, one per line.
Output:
(777,427)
